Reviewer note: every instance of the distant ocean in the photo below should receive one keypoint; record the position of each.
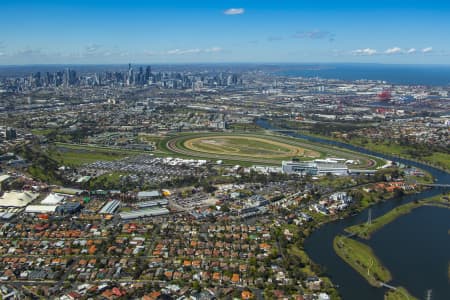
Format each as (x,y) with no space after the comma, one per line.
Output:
(396,74)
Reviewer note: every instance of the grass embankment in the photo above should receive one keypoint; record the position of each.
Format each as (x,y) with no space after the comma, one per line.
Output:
(150,138)
(399,294)
(43,166)
(42,132)
(438,159)
(76,155)
(303,259)
(365,230)
(362,259)
(107,181)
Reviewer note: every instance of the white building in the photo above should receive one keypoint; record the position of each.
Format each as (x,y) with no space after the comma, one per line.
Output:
(52,199)
(40,209)
(17,199)
(322,167)
(147,195)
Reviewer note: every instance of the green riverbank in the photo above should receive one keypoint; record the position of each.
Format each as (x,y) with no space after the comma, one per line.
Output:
(399,294)
(362,259)
(365,230)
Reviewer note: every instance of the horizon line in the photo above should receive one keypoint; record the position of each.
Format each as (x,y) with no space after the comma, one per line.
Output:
(222,63)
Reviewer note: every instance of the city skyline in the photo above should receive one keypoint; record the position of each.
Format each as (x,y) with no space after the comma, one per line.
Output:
(108,32)
(218,149)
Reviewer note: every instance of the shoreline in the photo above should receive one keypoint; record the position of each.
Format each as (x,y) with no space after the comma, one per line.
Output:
(362,259)
(365,230)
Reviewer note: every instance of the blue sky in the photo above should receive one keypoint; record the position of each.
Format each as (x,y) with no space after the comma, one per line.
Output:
(182,31)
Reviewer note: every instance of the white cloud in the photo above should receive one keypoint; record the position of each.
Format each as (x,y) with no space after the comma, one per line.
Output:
(389,51)
(2,54)
(192,51)
(213,50)
(29,52)
(97,50)
(365,52)
(183,52)
(394,50)
(234,11)
(92,48)
(174,51)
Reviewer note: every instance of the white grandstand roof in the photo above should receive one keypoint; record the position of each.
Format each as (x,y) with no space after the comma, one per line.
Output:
(17,199)
(52,199)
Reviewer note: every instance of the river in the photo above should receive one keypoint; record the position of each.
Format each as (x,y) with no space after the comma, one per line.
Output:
(387,242)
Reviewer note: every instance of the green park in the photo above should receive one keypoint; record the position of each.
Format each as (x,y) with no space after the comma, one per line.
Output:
(362,259)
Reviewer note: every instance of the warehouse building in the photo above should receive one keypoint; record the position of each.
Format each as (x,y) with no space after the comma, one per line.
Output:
(41,209)
(144,213)
(148,195)
(110,207)
(145,204)
(68,208)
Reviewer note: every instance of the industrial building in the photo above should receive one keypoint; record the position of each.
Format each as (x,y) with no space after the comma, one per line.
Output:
(152,203)
(110,207)
(8,213)
(148,195)
(68,208)
(40,209)
(144,213)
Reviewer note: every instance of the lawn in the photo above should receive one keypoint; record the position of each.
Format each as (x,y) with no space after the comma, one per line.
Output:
(75,155)
(246,146)
(399,294)
(362,259)
(437,158)
(42,131)
(107,181)
(150,138)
